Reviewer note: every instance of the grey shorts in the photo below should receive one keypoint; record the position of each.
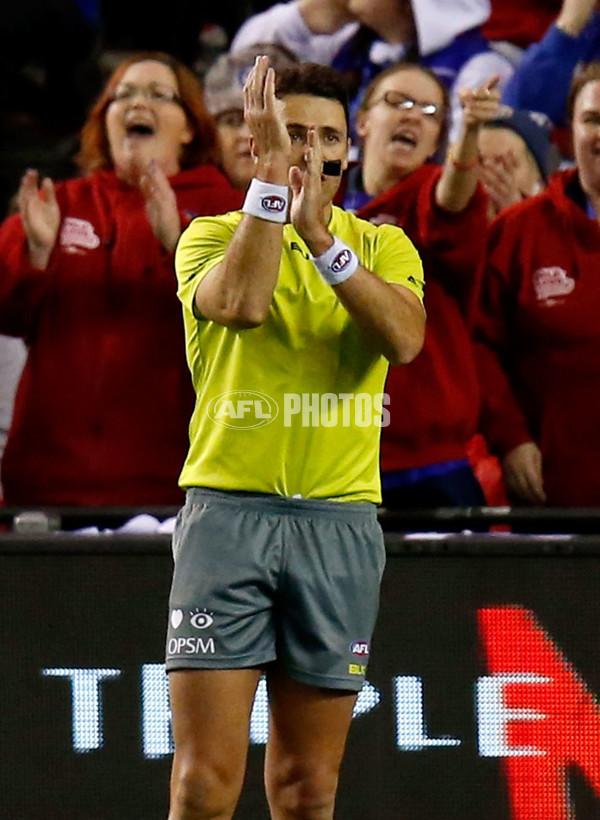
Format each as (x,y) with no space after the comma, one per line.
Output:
(263,578)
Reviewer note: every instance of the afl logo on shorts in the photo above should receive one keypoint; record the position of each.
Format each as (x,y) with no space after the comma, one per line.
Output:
(273,204)
(360,649)
(341,261)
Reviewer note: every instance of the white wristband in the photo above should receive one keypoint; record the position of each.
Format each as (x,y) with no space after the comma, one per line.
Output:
(337,264)
(267,201)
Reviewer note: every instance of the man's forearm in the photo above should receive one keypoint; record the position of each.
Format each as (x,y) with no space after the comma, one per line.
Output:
(238,292)
(389,315)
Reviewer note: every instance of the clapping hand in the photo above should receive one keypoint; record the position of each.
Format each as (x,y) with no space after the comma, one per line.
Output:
(161,205)
(40,215)
(306,211)
(263,113)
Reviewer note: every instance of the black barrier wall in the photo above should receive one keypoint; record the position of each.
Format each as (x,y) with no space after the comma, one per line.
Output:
(481,700)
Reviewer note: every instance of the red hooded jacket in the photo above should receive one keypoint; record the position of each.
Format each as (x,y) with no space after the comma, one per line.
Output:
(538,336)
(434,400)
(103,406)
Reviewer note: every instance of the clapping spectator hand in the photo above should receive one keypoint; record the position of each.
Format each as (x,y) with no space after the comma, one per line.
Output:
(161,205)
(498,177)
(41,216)
(522,468)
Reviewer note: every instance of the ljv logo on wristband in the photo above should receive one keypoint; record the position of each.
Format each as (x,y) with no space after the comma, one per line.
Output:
(341,261)
(273,204)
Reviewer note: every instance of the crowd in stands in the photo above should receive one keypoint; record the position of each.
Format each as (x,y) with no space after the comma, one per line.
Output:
(475,127)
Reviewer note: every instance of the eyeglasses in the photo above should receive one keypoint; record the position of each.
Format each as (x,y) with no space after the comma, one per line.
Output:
(402,102)
(154,93)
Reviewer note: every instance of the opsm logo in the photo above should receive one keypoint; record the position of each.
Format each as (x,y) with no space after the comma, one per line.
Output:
(243,409)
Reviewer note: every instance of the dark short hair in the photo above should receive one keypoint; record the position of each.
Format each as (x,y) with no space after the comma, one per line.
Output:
(316,80)
(587,74)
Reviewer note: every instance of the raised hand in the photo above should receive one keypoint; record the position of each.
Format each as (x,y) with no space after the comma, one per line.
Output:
(306,211)
(40,215)
(481,104)
(263,113)
(161,205)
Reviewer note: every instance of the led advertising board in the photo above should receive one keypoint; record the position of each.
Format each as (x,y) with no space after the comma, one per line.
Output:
(481,701)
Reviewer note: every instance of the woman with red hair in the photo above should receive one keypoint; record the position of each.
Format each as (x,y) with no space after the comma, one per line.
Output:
(87,280)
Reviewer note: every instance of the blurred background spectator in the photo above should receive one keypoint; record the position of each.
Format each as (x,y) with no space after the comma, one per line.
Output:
(543,77)
(516,157)
(312,30)
(224,98)
(56,57)
(87,280)
(537,329)
(434,401)
(443,35)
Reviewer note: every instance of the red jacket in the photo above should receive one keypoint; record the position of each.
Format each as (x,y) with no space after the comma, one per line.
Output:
(102,410)
(435,399)
(522,22)
(538,325)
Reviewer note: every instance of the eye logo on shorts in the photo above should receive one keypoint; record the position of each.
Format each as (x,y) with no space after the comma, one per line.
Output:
(360,649)
(273,204)
(341,261)
(242,409)
(201,619)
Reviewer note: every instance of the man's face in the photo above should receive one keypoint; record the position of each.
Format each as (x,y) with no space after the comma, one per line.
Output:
(402,140)
(301,111)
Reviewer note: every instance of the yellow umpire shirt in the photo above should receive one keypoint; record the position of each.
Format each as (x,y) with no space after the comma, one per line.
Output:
(296,405)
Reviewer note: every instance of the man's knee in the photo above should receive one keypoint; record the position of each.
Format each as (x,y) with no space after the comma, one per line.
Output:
(204,792)
(303,792)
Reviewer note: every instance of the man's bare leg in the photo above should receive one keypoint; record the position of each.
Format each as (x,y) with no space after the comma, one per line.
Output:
(307,736)
(211,725)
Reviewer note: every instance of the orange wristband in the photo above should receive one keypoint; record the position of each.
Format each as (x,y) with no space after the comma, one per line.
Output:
(463,166)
